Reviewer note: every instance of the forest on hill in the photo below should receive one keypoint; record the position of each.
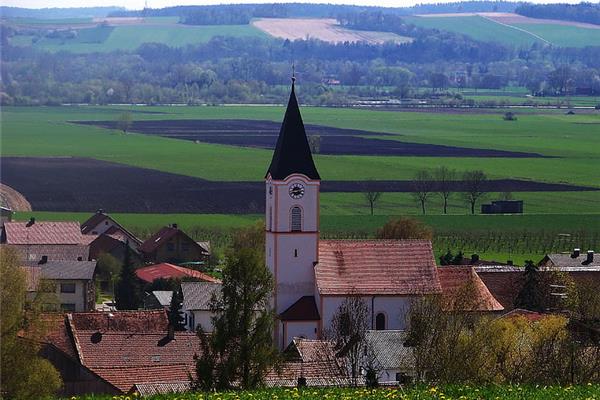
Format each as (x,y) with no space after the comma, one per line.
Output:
(582,12)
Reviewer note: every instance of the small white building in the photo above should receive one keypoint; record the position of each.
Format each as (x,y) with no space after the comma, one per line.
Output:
(197,297)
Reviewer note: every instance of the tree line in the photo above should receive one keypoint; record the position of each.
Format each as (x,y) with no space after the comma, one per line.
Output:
(583,12)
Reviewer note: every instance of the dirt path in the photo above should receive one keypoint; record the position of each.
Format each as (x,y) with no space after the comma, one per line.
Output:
(12,199)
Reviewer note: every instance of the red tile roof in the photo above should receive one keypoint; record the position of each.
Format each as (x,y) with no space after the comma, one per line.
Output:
(42,232)
(127,378)
(463,290)
(376,267)
(305,309)
(126,321)
(58,334)
(167,271)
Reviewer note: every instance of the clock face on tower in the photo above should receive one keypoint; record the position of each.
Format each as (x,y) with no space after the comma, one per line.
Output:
(296,190)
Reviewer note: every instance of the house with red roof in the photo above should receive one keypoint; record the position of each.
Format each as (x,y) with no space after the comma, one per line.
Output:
(46,240)
(170,244)
(103,224)
(169,271)
(119,352)
(463,290)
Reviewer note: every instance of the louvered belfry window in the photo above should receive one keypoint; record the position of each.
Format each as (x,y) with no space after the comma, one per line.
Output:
(296,219)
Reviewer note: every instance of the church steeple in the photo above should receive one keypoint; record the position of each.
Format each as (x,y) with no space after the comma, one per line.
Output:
(292,152)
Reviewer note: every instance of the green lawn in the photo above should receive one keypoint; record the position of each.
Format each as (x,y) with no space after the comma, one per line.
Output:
(478,28)
(130,37)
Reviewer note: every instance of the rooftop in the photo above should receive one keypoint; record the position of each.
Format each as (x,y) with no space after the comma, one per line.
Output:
(163,236)
(65,270)
(198,295)
(42,232)
(292,153)
(305,309)
(376,267)
(463,290)
(168,271)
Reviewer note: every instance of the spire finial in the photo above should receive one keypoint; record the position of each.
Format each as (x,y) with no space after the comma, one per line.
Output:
(293,73)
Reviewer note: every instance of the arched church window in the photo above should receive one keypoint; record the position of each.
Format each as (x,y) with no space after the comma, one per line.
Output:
(296,219)
(380,322)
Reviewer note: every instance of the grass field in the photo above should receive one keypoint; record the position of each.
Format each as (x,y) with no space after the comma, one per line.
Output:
(130,37)
(563,35)
(463,392)
(516,34)
(478,28)
(574,141)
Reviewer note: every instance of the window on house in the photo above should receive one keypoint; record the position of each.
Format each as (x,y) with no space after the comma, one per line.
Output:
(170,246)
(68,287)
(296,219)
(380,322)
(67,306)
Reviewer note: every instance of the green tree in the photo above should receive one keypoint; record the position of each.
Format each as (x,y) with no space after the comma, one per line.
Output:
(24,375)
(124,121)
(128,291)
(176,319)
(404,228)
(530,295)
(474,187)
(241,347)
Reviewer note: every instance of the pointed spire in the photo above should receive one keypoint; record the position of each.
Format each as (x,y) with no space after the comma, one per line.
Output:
(292,152)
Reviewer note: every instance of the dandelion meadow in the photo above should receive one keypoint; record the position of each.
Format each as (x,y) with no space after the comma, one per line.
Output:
(457,392)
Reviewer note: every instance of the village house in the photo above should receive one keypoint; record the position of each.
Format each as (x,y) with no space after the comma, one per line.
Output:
(44,240)
(120,352)
(158,300)
(463,290)
(386,352)
(103,224)
(71,281)
(170,244)
(196,304)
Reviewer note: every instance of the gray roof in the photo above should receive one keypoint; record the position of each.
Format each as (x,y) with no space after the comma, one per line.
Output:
(66,270)
(564,262)
(388,349)
(498,268)
(163,297)
(197,295)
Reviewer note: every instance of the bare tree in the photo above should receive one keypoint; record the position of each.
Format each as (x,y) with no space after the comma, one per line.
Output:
(124,122)
(445,184)
(314,142)
(474,187)
(348,331)
(371,196)
(422,187)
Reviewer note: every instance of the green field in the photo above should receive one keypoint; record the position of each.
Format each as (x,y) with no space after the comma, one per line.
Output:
(463,392)
(563,35)
(519,35)
(479,28)
(130,37)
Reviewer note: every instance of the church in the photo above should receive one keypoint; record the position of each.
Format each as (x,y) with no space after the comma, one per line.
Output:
(313,276)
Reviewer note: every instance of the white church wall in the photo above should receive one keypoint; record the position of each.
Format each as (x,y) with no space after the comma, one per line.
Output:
(395,309)
(305,329)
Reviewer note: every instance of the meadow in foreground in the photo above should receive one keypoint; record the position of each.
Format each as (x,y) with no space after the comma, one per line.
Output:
(462,392)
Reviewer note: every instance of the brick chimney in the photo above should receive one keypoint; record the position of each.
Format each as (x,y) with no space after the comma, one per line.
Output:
(576,253)
(590,257)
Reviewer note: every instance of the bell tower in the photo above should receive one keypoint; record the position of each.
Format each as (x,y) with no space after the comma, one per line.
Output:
(292,216)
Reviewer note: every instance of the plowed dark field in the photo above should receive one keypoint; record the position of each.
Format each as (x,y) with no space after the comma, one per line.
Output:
(81,184)
(334,141)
